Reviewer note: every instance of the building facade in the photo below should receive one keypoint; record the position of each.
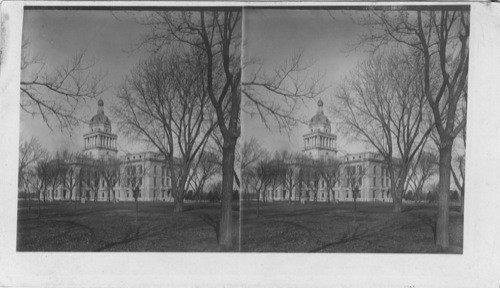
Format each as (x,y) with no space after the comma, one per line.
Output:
(145,170)
(366,172)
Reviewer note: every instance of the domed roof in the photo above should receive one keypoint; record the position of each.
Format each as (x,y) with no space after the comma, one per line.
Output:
(319,120)
(100,118)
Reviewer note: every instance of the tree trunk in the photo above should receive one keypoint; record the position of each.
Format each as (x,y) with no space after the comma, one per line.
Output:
(398,202)
(258,203)
(136,209)
(39,202)
(442,225)
(29,203)
(178,207)
(462,203)
(225,228)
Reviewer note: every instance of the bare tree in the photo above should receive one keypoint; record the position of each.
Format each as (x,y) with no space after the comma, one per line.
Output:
(441,38)
(55,93)
(353,177)
(30,152)
(276,170)
(329,170)
(251,153)
(261,180)
(42,172)
(275,96)
(109,170)
(165,103)
(217,34)
(458,172)
(206,167)
(55,176)
(290,180)
(71,171)
(383,103)
(421,170)
(308,177)
(91,178)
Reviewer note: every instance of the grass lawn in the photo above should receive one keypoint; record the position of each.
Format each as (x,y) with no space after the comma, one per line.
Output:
(324,227)
(112,227)
(280,227)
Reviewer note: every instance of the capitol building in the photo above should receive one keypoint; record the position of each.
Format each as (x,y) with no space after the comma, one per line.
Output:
(146,170)
(320,143)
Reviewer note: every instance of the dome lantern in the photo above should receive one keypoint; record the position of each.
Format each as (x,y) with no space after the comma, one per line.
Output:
(320,122)
(100,119)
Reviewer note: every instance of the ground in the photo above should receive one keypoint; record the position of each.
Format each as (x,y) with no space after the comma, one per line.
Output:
(106,226)
(324,227)
(280,227)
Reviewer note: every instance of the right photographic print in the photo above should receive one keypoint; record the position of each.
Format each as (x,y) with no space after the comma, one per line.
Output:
(354,127)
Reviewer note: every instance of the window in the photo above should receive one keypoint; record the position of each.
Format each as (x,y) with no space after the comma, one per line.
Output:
(162,181)
(374,169)
(154,170)
(322,184)
(374,181)
(154,181)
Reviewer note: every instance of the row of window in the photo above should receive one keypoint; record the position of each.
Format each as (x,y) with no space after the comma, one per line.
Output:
(348,194)
(137,169)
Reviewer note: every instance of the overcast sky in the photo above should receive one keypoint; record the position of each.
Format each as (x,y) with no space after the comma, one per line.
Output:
(272,36)
(108,38)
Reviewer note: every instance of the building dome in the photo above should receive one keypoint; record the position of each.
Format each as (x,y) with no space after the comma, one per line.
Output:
(100,118)
(320,120)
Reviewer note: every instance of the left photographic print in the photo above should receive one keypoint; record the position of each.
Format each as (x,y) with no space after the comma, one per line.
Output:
(128,130)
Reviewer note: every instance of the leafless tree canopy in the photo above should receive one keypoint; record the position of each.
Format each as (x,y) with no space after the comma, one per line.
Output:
(441,38)
(55,93)
(275,95)
(165,103)
(30,153)
(383,103)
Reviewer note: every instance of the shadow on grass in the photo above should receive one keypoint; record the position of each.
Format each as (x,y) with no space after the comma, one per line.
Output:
(212,222)
(356,232)
(430,221)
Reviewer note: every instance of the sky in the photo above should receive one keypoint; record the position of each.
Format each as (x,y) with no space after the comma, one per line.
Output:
(270,37)
(273,36)
(107,38)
